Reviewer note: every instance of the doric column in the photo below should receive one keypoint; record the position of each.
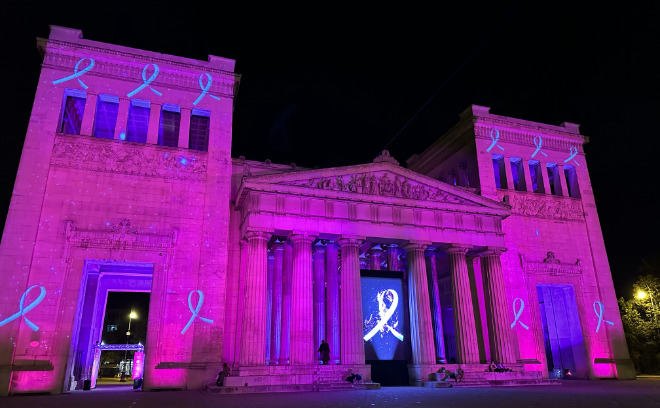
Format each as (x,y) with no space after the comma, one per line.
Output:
(287,272)
(269,300)
(392,258)
(352,344)
(499,330)
(332,299)
(319,293)
(276,311)
(240,309)
(421,328)
(253,333)
(467,347)
(436,309)
(376,258)
(302,306)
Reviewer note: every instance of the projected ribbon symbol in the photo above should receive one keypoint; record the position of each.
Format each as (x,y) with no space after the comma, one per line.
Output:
(518,313)
(205,88)
(495,140)
(385,315)
(599,313)
(77,73)
(146,81)
(574,152)
(538,146)
(195,313)
(22,311)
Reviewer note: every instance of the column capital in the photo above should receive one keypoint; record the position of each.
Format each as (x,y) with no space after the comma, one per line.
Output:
(416,245)
(302,238)
(491,251)
(348,241)
(250,235)
(456,249)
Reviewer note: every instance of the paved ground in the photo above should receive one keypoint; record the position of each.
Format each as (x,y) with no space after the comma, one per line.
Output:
(644,393)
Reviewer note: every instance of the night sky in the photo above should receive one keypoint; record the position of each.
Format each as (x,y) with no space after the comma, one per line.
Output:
(329,85)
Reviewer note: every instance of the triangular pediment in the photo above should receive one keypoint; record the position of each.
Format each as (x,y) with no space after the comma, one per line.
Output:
(377,181)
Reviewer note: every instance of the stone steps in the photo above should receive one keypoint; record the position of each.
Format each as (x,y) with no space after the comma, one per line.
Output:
(336,386)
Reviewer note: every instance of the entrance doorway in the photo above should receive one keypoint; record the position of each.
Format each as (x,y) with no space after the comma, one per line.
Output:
(562,332)
(101,281)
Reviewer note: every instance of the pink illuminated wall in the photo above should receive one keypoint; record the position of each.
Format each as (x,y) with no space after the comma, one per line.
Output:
(78,197)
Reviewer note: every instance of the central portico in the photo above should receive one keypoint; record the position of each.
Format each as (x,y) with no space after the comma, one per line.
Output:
(306,234)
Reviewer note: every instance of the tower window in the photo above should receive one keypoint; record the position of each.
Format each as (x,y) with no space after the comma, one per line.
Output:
(200,122)
(571,181)
(105,120)
(536,176)
(517,172)
(553,178)
(138,121)
(170,120)
(72,111)
(499,171)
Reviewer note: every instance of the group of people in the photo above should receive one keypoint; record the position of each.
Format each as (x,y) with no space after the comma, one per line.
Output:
(456,375)
(497,368)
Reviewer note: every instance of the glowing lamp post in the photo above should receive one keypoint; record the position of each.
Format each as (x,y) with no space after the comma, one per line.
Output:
(131,316)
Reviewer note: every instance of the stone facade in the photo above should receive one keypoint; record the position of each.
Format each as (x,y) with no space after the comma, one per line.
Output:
(253,263)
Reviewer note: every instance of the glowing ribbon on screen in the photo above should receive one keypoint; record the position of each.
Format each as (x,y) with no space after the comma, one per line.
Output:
(77,73)
(205,88)
(385,315)
(518,313)
(195,312)
(574,152)
(599,313)
(495,140)
(22,311)
(146,81)
(538,145)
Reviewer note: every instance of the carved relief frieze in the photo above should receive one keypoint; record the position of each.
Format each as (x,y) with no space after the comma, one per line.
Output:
(380,183)
(550,266)
(543,206)
(119,235)
(86,153)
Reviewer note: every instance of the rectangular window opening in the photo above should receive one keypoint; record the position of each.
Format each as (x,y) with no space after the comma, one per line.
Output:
(517,172)
(105,119)
(499,171)
(553,178)
(170,120)
(536,176)
(200,122)
(72,111)
(138,121)
(571,181)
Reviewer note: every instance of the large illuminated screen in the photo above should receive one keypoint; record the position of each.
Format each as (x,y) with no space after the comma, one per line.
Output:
(383,317)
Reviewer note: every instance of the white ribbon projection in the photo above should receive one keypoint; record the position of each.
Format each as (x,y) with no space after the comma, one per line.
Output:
(385,314)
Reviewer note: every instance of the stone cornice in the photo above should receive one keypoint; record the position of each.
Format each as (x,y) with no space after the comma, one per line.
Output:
(108,64)
(552,139)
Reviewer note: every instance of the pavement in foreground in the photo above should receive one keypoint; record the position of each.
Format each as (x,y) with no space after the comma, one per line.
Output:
(643,393)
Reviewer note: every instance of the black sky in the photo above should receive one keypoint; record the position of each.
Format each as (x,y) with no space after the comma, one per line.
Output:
(330,84)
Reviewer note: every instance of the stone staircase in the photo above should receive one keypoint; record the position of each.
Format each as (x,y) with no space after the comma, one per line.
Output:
(320,378)
(475,375)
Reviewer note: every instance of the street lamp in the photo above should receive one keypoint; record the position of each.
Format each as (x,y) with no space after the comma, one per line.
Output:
(642,295)
(131,316)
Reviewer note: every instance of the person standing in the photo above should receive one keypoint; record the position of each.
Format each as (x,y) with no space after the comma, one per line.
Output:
(324,349)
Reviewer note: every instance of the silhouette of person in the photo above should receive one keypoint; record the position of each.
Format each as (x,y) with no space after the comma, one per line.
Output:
(324,349)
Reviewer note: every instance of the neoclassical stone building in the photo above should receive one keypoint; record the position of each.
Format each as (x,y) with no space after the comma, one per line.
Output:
(487,246)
